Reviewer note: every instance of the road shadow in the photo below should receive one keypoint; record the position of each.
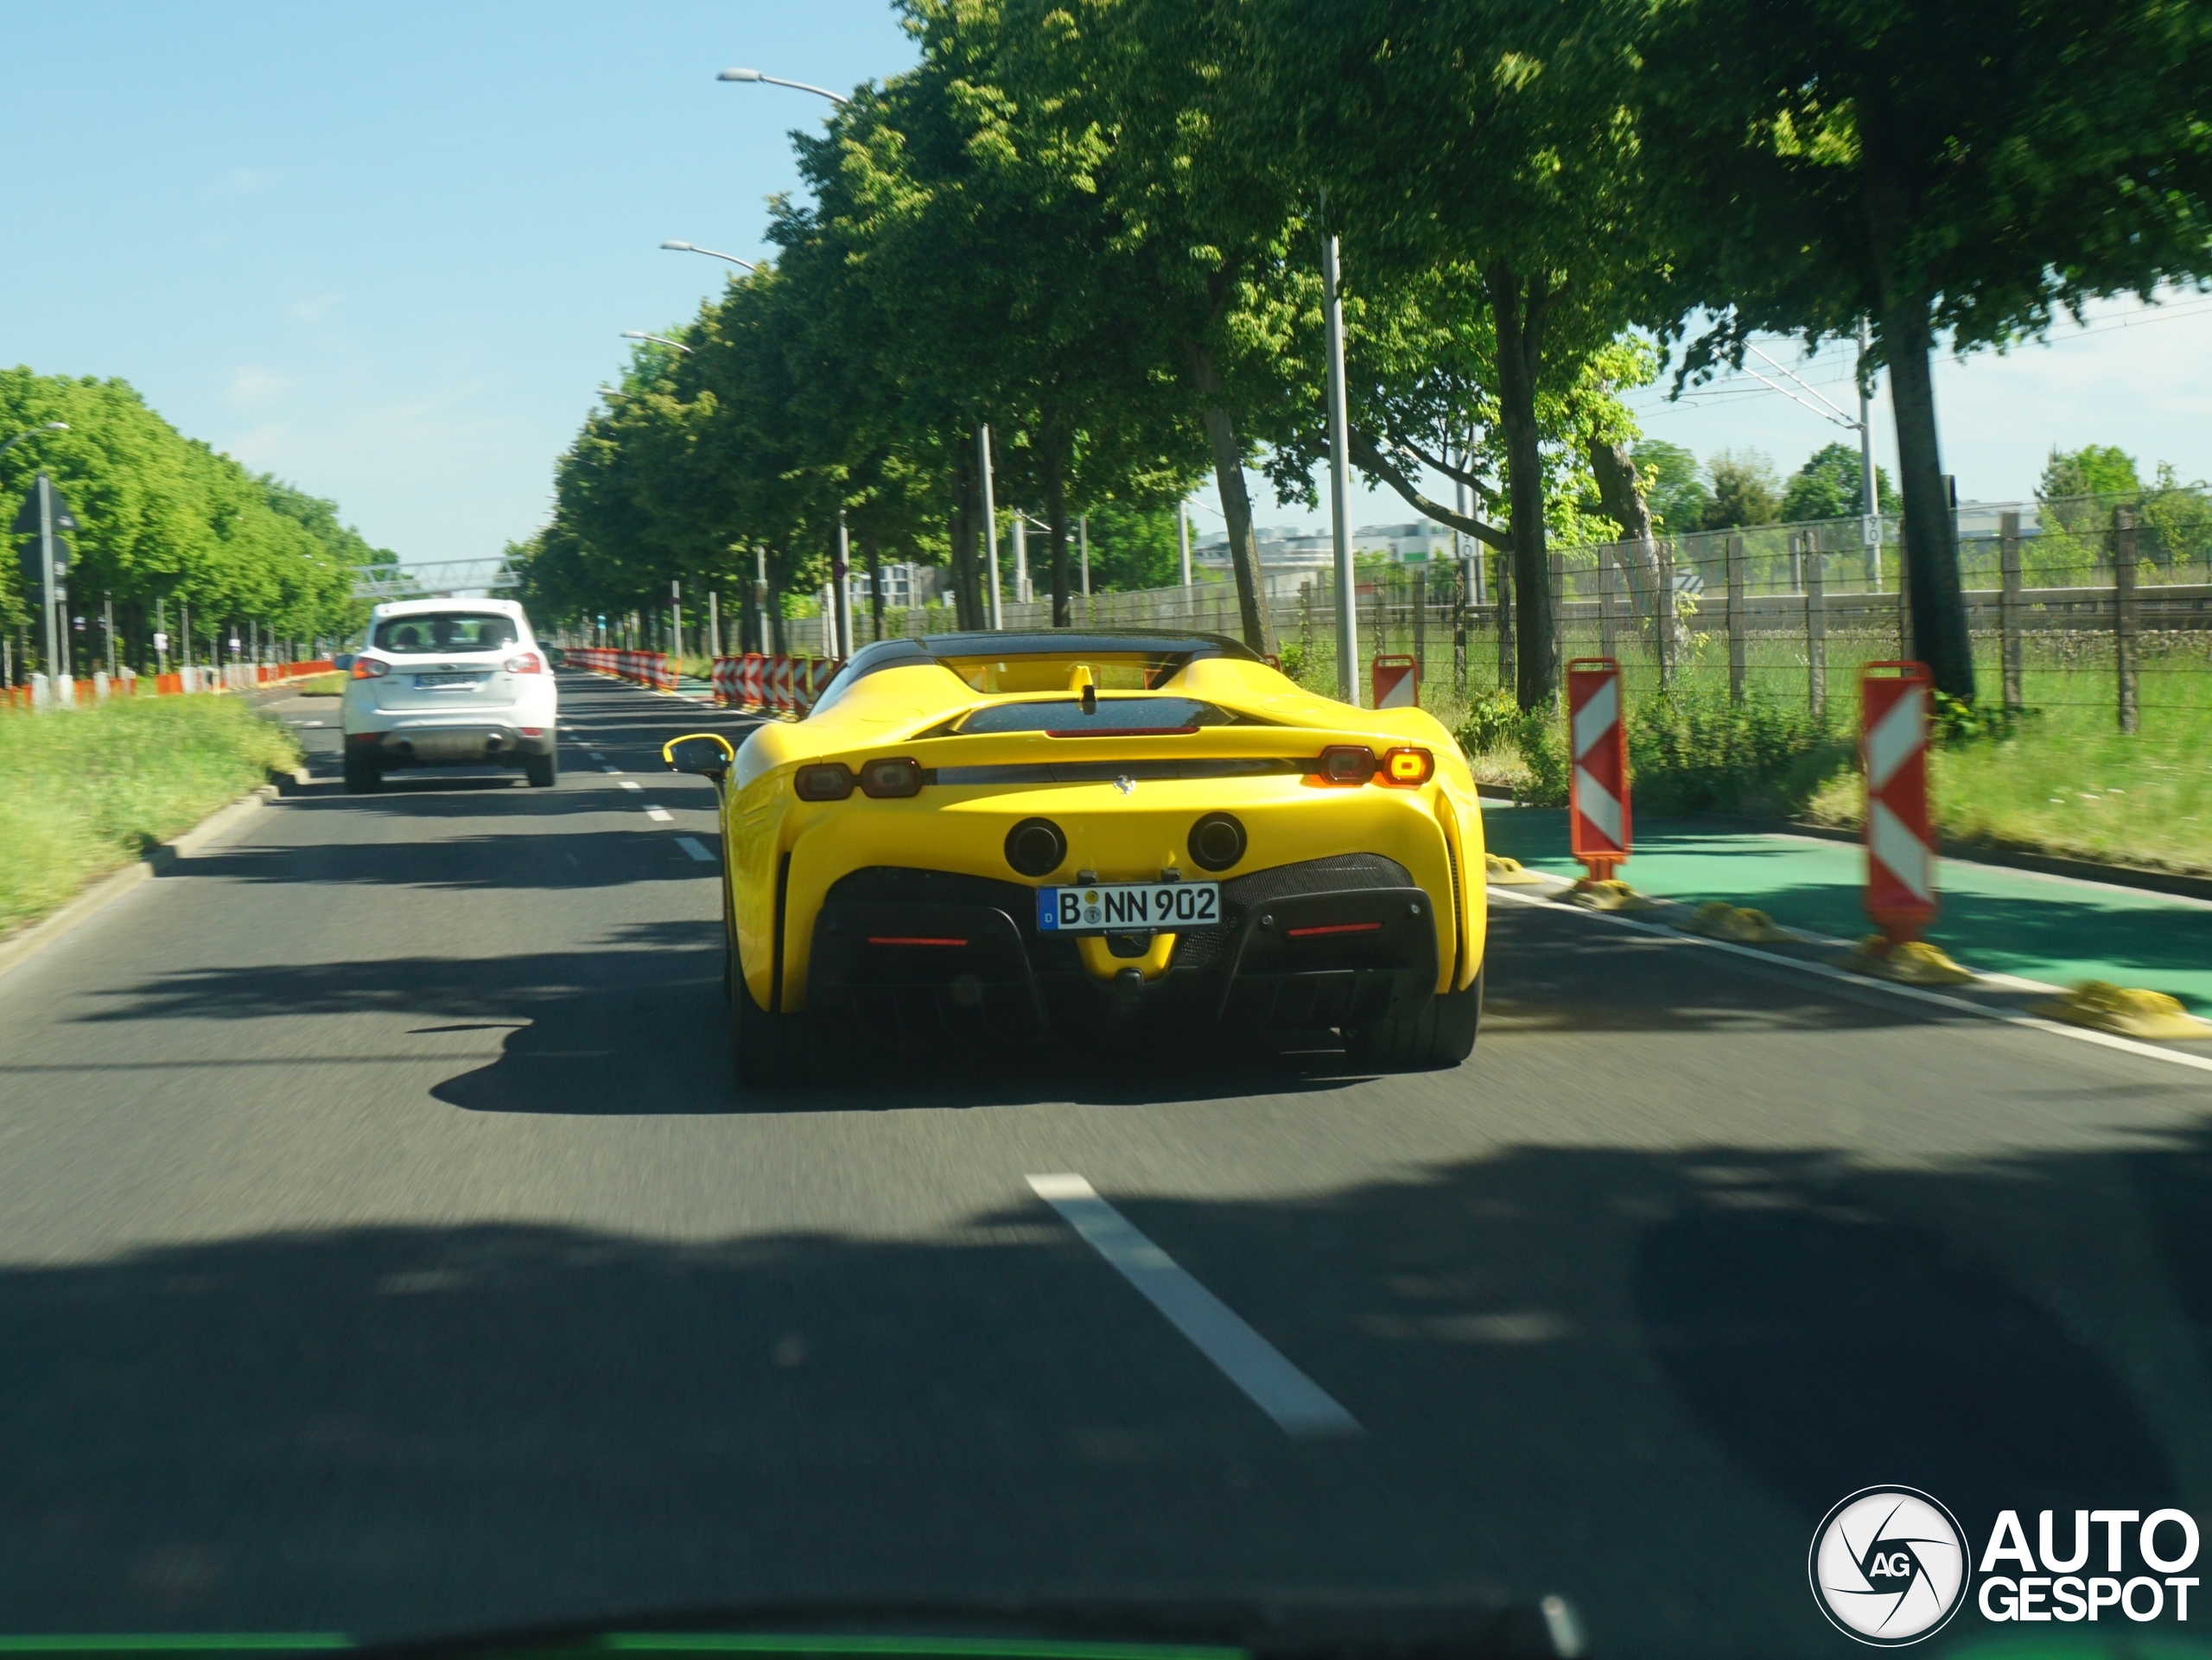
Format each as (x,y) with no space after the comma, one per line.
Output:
(1635,1378)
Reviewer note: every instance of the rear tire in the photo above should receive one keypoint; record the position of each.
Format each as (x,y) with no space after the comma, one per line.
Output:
(768,1052)
(543,770)
(362,775)
(1441,1035)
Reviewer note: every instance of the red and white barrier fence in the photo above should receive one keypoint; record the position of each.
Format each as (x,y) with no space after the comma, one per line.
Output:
(1893,704)
(84,690)
(787,685)
(1394,682)
(655,668)
(1598,831)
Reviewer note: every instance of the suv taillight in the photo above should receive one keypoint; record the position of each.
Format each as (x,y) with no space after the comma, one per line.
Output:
(523,663)
(369,668)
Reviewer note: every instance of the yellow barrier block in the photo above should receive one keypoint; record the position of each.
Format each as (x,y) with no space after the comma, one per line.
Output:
(1507,873)
(1742,924)
(1612,894)
(2126,1011)
(1916,962)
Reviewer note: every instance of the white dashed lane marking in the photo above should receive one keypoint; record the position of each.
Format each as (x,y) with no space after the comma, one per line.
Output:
(690,845)
(632,784)
(1294,1401)
(659,815)
(595,754)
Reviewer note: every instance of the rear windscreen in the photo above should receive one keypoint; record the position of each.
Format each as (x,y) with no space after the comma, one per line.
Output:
(1107,671)
(444,633)
(1110,715)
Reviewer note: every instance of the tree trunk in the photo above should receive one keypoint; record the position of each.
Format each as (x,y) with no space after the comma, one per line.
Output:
(1056,513)
(1622,492)
(1931,541)
(873,556)
(1520,318)
(1252,609)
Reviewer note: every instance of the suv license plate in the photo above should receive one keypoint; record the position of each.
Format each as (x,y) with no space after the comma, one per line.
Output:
(1124,908)
(425,681)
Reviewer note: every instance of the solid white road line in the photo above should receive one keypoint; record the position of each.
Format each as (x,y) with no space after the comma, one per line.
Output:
(1294,1401)
(659,815)
(1868,982)
(632,784)
(690,845)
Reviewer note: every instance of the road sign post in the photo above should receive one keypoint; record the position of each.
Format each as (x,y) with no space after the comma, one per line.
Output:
(1893,701)
(1396,684)
(1599,829)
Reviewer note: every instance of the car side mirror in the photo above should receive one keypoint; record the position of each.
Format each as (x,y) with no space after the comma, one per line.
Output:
(555,657)
(708,753)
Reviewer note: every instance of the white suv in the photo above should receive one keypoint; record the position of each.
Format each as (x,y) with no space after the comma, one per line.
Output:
(450,682)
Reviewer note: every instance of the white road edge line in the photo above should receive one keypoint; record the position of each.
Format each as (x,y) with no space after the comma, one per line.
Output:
(1297,1404)
(690,845)
(1868,982)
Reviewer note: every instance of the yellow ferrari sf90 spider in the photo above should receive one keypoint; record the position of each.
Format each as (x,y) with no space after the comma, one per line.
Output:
(1059,835)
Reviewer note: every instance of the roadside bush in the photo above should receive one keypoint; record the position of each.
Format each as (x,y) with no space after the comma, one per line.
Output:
(1689,754)
(85,791)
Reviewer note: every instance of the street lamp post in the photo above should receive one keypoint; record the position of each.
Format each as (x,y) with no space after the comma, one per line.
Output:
(690,247)
(1340,484)
(776,80)
(45,553)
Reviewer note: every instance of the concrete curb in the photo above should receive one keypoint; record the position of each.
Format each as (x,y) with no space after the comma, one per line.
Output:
(20,946)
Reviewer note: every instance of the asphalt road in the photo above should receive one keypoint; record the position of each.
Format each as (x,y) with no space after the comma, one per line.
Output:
(383,1249)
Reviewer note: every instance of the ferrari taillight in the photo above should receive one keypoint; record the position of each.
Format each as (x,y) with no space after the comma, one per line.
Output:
(827,781)
(888,779)
(1344,764)
(1408,767)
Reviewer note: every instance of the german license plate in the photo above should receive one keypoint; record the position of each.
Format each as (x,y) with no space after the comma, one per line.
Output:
(1124,908)
(427,682)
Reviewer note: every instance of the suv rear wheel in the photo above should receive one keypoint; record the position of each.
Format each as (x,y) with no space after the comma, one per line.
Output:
(543,769)
(1441,1035)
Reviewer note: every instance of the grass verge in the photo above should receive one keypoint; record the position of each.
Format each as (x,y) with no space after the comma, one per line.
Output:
(84,791)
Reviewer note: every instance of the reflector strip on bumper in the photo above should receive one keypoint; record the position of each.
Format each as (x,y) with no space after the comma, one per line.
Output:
(1336,928)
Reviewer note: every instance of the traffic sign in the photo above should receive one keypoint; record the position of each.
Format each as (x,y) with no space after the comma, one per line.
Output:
(1396,685)
(1598,831)
(1900,846)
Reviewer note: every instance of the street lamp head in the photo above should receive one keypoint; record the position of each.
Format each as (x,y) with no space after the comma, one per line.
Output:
(679,247)
(635,335)
(55,426)
(739,75)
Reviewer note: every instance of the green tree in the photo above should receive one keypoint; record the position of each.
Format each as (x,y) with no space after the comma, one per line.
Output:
(2092,470)
(1957,167)
(1744,490)
(1490,136)
(1674,485)
(1831,484)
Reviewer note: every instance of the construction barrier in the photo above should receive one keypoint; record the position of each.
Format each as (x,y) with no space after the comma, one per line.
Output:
(1598,831)
(657,669)
(784,686)
(1893,702)
(84,690)
(1394,682)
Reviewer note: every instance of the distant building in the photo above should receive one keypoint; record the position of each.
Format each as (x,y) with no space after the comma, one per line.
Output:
(1288,558)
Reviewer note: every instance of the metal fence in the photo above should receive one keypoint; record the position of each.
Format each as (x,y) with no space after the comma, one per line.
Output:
(2092,602)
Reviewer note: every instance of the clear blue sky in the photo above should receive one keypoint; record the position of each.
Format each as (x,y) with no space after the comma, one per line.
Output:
(387,252)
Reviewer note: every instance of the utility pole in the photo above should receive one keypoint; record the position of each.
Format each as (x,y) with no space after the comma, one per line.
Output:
(840,571)
(990,522)
(714,626)
(55,666)
(1083,541)
(1020,555)
(760,593)
(1872,524)
(1183,539)
(675,622)
(1340,484)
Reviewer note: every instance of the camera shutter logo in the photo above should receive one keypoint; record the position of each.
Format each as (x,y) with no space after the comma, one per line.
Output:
(1888,1566)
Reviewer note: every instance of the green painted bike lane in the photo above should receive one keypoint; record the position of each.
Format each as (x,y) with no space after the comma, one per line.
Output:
(2002,921)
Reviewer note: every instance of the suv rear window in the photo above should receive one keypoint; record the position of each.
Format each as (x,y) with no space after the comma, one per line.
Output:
(444,633)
